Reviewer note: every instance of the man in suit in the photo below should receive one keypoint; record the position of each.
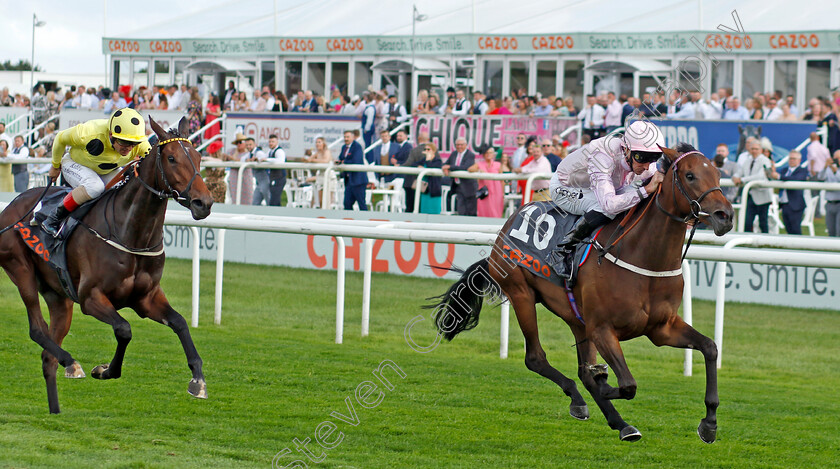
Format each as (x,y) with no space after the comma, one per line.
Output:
(754,168)
(792,201)
(277,177)
(355,183)
(19,171)
(460,160)
(387,149)
(396,113)
(400,158)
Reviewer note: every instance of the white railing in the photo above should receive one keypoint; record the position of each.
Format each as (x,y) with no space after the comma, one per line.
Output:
(39,127)
(392,132)
(797,251)
(11,124)
(486,235)
(220,120)
(821,131)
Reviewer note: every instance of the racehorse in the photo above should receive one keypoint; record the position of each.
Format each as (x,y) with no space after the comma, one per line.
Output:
(121,271)
(616,303)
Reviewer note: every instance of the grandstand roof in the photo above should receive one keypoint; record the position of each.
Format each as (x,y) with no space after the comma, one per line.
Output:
(314,18)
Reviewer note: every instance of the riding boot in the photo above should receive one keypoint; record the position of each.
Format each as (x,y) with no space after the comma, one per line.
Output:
(53,222)
(583,228)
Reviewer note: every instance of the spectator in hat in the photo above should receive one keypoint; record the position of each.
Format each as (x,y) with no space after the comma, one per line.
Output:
(240,153)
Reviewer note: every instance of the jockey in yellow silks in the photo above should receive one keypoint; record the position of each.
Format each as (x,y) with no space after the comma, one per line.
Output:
(97,150)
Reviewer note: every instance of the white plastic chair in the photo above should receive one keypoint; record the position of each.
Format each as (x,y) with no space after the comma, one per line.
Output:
(444,194)
(774,223)
(808,215)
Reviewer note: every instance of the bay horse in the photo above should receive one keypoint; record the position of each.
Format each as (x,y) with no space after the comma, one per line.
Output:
(108,275)
(615,302)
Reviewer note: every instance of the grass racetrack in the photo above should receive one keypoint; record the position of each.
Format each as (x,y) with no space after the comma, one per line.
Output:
(274,374)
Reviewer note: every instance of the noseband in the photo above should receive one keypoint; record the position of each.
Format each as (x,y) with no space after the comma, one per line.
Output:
(182,197)
(694,204)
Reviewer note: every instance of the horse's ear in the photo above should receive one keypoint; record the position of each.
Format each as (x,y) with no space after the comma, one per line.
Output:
(183,127)
(740,129)
(157,128)
(759,130)
(671,154)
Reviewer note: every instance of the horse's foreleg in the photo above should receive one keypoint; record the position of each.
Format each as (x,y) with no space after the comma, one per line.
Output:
(586,357)
(535,359)
(678,334)
(99,306)
(61,315)
(606,341)
(155,306)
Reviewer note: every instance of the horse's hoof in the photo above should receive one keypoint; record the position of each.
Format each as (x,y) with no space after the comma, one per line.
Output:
(197,388)
(99,372)
(74,371)
(707,432)
(580,412)
(629,433)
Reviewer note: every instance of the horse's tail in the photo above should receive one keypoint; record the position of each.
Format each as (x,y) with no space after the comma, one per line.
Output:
(457,310)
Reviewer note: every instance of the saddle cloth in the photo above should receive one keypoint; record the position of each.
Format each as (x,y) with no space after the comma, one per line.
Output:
(532,240)
(53,250)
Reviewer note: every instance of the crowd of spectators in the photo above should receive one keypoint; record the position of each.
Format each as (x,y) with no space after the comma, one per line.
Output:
(379,112)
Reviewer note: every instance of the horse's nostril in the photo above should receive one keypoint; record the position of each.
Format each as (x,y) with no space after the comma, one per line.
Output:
(198,203)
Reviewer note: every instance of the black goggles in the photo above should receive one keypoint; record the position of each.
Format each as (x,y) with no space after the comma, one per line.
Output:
(643,157)
(126,143)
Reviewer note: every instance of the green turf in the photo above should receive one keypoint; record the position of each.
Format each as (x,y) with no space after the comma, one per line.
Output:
(274,374)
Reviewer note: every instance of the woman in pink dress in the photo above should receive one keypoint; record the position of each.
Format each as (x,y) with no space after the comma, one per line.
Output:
(492,205)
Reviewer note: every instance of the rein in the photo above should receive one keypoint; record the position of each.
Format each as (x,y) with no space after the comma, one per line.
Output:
(690,219)
(693,204)
(169,192)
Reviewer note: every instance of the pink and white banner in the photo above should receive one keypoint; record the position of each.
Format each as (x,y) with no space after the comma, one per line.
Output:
(496,131)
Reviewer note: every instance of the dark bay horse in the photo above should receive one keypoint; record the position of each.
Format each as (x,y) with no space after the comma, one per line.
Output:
(109,278)
(616,302)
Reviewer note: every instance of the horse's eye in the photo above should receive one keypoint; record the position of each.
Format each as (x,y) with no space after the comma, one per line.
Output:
(171,159)
(689,176)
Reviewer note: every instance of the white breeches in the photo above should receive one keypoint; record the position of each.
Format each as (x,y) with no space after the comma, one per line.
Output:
(79,175)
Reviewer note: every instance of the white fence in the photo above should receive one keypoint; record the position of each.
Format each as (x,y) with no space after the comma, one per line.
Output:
(723,252)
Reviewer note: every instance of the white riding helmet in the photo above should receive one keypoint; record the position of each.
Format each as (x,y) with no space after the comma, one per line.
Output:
(643,136)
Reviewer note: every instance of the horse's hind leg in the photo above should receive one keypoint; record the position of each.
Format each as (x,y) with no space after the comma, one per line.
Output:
(100,307)
(535,359)
(24,278)
(587,357)
(155,306)
(677,333)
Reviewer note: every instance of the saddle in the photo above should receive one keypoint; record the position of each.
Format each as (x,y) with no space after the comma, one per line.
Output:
(532,239)
(53,249)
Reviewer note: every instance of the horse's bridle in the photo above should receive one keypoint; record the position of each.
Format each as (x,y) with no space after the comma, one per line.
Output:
(694,204)
(181,197)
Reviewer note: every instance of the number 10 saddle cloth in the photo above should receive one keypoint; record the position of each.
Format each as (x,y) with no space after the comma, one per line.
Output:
(532,240)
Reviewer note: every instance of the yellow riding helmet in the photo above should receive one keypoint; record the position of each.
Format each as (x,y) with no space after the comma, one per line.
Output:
(127,124)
